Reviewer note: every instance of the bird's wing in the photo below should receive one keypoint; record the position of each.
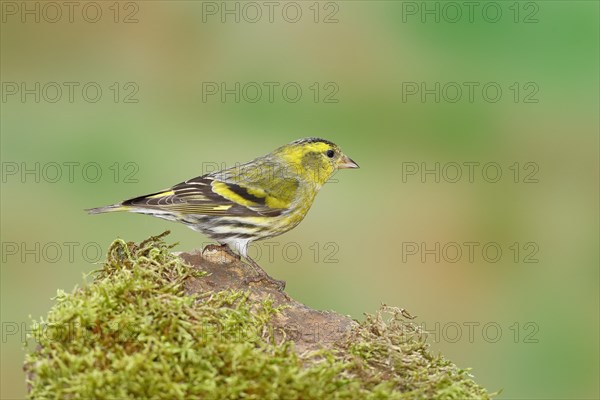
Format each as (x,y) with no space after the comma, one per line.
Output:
(224,196)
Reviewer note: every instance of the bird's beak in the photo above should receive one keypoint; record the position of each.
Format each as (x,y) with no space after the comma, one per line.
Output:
(346,162)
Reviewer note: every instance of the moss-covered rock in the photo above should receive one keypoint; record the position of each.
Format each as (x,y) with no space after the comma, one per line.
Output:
(138,331)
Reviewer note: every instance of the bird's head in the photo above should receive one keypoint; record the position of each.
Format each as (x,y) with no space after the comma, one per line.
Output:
(314,159)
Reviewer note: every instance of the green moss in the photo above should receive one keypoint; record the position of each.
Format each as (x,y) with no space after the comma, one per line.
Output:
(134,333)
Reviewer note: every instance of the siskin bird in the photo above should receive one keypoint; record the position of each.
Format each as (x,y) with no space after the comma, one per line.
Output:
(260,199)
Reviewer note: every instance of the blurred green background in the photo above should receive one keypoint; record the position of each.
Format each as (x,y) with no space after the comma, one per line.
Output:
(529,328)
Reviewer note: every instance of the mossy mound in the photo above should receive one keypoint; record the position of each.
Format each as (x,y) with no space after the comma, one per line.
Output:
(134,332)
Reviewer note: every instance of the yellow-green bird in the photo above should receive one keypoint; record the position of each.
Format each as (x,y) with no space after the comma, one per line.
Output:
(260,199)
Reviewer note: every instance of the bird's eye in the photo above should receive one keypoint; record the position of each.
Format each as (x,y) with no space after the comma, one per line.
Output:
(330,153)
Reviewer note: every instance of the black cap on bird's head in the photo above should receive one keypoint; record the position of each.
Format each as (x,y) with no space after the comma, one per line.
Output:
(329,149)
(315,157)
(312,140)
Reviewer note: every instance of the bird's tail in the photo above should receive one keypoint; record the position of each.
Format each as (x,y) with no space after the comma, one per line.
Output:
(105,209)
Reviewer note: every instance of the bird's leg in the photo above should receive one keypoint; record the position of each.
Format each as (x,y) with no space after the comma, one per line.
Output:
(261,275)
(225,247)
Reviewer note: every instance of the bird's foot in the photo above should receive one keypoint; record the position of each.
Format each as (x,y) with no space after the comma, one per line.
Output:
(261,277)
(219,249)
(228,250)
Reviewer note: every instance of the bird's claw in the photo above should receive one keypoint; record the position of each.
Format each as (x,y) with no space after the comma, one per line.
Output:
(280,285)
(261,275)
(222,248)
